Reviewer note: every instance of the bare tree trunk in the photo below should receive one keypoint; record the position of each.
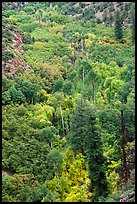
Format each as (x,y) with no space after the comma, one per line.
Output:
(124,163)
(58,178)
(51,144)
(56,173)
(68,122)
(83,75)
(93,92)
(62,118)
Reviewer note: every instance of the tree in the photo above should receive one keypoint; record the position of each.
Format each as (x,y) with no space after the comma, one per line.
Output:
(112,85)
(133,23)
(111,8)
(18,188)
(55,159)
(124,162)
(124,14)
(85,138)
(84,68)
(72,182)
(118,26)
(7,55)
(105,17)
(129,116)
(37,194)
(91,78)
(28,88)
(16,95)
(38,14)
(110,19)
(72,75)
(68,88)
(47,134)
(58,85)
(6,98)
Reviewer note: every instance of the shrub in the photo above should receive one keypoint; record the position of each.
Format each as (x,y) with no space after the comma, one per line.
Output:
(7,55)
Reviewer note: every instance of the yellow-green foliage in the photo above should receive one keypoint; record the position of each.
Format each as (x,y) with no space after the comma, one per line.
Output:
(71,59)
(91,38)
(72,183)
(56,29)
(100,100)
(113,177)
(43,113)
(79,194)
(12,20)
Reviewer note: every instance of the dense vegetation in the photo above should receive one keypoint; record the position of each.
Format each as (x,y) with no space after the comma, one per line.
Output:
(68,101)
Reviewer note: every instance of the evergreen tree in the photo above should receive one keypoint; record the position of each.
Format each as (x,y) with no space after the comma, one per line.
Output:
(58,85)
(110,19)
(38,14)
(105,17)
(118,26)
(133,23)
(85,138)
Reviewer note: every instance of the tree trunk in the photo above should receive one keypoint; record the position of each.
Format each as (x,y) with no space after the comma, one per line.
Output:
(68,123)
(93,92)
(124,163)
(83,75)
(58,178)
(51,144)
(62,118)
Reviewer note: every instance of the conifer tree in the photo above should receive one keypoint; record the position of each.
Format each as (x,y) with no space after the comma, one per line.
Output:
(118,26)
(110,19)
(133,23)
(85,138)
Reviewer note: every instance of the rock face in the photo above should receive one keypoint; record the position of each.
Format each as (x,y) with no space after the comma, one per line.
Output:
(131,156)
(16,63)
(18,41)
(128,195)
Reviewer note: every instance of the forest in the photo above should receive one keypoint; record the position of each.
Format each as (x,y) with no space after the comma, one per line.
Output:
(68,101)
